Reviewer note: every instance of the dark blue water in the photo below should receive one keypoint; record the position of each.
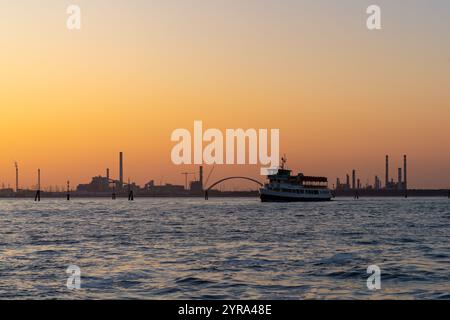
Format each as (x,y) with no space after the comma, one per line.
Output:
(225,248)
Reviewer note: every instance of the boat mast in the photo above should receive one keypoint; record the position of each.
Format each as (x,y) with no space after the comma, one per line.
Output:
(283,162)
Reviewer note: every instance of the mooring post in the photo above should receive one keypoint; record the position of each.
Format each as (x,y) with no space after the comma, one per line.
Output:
(37,197)
(206,194)
(130,192)
(68,190)
(114,193)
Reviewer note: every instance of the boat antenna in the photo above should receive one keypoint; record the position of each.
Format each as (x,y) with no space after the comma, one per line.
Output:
(283,161)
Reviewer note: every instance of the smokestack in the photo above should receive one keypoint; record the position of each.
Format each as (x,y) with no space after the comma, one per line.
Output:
(387,171)
(121,169)
(39,179)
(405,184)
(201,177)
(348,181)
(107,174)
(353,179)
(17,176)
(399,178)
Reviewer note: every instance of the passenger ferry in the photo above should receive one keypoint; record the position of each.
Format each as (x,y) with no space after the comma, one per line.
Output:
(283,187)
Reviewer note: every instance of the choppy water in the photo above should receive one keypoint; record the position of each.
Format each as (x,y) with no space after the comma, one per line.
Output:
(225,248)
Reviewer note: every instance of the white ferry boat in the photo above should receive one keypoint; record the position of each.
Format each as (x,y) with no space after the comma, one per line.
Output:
(283,187)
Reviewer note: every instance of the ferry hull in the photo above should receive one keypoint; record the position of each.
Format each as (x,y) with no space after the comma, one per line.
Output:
(282,198)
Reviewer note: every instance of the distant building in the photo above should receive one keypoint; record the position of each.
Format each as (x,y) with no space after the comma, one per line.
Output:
(401,183)
(98,184)
(196,187)
(167,189)
(7,192)
(377,185)
(342,186)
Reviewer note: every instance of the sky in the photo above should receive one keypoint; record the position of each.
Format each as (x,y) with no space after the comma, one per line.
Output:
(342,96)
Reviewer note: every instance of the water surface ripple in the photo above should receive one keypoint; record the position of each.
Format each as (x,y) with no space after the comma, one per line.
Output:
(225,248)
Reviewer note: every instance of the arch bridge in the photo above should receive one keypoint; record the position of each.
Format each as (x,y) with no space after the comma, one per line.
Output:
(230,178)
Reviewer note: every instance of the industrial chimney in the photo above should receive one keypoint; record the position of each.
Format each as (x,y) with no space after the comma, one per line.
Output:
(121,170)
(201,177)
(17,176)
(353,179)
(387,172)
(400,187)
(405,183)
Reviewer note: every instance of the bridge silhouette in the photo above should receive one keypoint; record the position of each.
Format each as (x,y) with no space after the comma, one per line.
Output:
(230,178)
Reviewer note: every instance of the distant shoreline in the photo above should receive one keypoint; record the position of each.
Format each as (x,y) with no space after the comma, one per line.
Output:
(238,194)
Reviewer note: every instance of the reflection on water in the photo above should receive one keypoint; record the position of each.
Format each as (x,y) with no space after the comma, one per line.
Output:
(225,248)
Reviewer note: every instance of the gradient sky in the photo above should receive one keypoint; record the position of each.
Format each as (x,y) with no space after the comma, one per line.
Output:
(342,96)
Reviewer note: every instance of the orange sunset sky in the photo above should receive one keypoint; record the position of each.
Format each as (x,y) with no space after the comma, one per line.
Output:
(341,95)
